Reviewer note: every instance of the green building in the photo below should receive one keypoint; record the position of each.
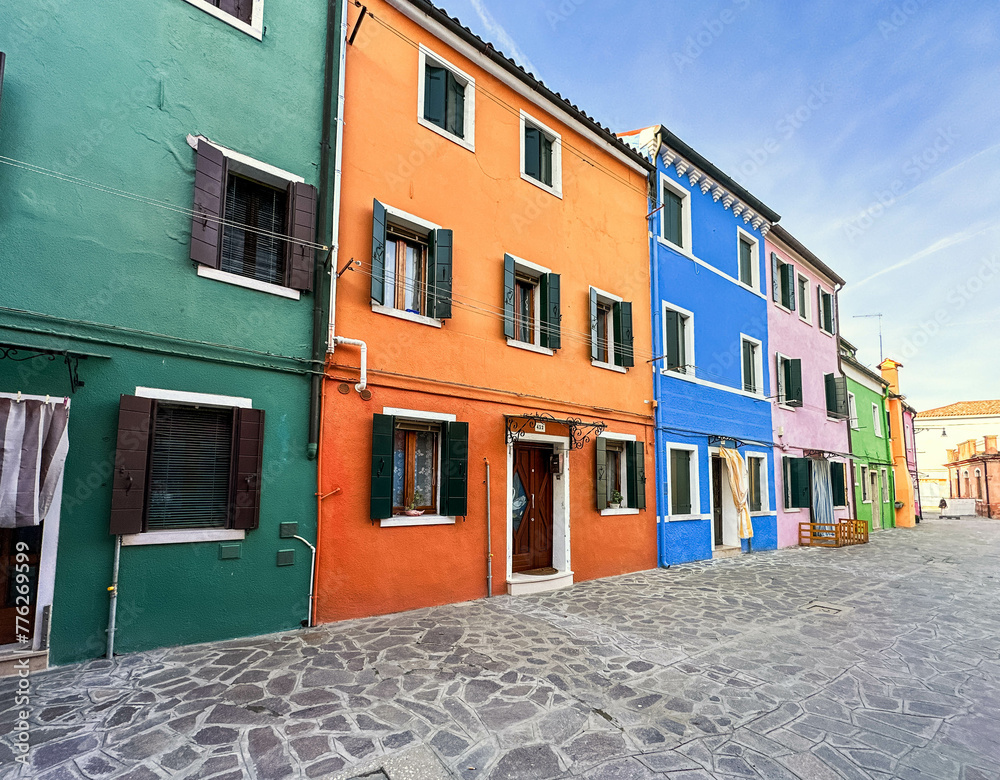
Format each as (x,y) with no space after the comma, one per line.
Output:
(166,181)
(871,453)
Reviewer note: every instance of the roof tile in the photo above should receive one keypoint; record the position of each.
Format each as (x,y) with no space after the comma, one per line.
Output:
(964,409)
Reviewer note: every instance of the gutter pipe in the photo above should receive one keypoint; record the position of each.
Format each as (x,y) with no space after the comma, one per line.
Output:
(654,269)
(489,535)
(360,386)
(113,608)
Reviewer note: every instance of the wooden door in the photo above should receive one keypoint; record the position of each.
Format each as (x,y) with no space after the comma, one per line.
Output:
(531,508)
(717,498)
(878,519)
(20,553)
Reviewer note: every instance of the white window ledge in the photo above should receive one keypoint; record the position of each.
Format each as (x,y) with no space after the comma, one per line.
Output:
(677,518)
(185,536)
(409,316)
(529,347)
(254,30)
(404,521)
(695,380)
(445,134)
(542,185)
(615,512)
(608,366)
(245,281)
(793,510)
(762,513)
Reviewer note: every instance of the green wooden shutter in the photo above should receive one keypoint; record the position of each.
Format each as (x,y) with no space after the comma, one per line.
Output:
(602,473)
(673,210)
(757,465)
(595,347)
(749,382)
(439,271)
(791,287)
(455,481)
(383,433)
(624,352)
(841,396)
(675,348)
(455,106)
(831,393)
(793,382)
(508,296)
(827,312)
(839,483)
(378,252)
(680,482)
(821,315)
(801,489)
(833,313)
(775,278)
(551,334)
(545,163)
(435,95)
(635,472)
(532,153)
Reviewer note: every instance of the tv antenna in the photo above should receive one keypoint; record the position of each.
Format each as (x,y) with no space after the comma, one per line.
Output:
(881,356)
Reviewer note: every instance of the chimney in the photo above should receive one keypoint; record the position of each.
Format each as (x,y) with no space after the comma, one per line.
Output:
(991,445)
(952,456)
(966,449)
(890,373)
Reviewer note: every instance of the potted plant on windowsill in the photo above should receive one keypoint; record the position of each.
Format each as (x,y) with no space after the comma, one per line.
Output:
(616,500)
(411,508)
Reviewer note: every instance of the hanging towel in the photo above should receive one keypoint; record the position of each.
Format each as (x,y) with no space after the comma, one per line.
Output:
(34,440)
(822,493)
(739,482)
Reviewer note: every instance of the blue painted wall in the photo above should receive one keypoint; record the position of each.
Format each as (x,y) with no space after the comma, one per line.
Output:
(708,400)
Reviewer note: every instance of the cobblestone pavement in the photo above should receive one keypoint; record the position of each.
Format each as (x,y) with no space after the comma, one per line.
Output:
(711,670)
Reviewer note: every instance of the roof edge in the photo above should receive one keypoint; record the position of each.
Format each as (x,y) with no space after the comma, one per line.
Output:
(798,247)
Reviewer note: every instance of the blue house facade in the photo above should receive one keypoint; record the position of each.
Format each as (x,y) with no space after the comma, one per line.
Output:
(711,373)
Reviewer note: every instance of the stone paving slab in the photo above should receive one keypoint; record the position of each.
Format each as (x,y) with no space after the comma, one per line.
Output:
(709,670)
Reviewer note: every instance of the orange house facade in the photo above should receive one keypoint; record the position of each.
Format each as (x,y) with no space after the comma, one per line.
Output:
(487,414)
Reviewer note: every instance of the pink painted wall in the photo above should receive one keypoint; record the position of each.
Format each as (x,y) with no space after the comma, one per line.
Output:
(805,427)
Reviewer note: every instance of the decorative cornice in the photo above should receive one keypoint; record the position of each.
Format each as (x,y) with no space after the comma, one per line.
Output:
(738,208)
(693,176)
(706,185)
(681,165)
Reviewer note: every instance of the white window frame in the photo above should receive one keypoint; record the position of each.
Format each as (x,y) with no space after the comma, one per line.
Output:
(877,420)
(847,501)
(536,272)
(188,535)
(779,382)
(820,315)
(469,121)
(689,359)
(694,481)
(743,235)
(620,438)
(765,488)
(608,299)
(686,247)
(556,189)
(411,222)
(852,410)
(803,300)
(419,415)
(256,27)
(758,365)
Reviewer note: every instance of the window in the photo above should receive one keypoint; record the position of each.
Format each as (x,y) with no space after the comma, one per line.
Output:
(885,487)
(782,282)
(827,320)
(749,259)
(838,483)
(796,475)
(683,481)
(836,396)
(789,381)
(244,15)
(186,461)
(865,493)
(610,330)
(675,219)
(531,305)
(876,421)
(968,487)
(447,100)
(804,298)
(419,468)
(979,483)
(411,266)
(253,225)
(678,339)
(621,473)
(241,9)
(541,155)
(751,366)
(852,408)
(757,486)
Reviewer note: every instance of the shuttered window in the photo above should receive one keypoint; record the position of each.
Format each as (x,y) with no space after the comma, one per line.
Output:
(531,305)
(789,381)
(538,155)
(680,482)
(241,9)
(444,99)
(838,481)
(751,382)
(754,489)
(798,490)
(254,253)
(746,262)
(675,335)
(827,317)
(673,213)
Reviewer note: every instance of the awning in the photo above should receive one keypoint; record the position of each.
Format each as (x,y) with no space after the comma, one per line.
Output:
(34,441)
(580,431)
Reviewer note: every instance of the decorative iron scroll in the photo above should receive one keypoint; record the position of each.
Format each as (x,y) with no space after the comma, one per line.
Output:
(722,440)
(580,432)
(72,360)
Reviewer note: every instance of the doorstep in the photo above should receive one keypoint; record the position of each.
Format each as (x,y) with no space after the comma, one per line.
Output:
(526,584)
(726,552)
(11,663)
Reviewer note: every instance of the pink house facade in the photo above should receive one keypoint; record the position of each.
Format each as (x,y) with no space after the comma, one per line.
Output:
(813,473)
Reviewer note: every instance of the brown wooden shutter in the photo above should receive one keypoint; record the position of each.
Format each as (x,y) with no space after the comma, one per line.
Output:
(128,485)
(249,457)
(209,195)
(301,227)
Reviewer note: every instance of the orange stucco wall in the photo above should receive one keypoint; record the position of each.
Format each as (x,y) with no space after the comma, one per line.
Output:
(906,516)
(594,235)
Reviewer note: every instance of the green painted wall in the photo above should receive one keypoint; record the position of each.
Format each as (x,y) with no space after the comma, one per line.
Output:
(109,93)
(872,452)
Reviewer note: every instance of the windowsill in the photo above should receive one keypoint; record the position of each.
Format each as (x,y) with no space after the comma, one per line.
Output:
(825,332)
(186,536)
(747,287)
(615,512)
(762,513)
(409,316)
(552,190)
(678,518)
(806,320)
(465,144)
(608,366)
(245,281)
(784,308)
(788,408)
(253,30)
(404,521)
(708,266)
(529,347)
(677,248)
(704,382)
(793,510)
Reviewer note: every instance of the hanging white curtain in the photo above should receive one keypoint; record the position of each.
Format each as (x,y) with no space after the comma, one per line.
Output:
(34,440)
(739,482)
(822,492)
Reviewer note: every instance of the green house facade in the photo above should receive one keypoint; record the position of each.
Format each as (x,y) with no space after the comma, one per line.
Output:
(161,202)
(871,454)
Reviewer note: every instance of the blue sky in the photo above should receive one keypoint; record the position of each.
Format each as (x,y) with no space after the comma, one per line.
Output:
(872,127)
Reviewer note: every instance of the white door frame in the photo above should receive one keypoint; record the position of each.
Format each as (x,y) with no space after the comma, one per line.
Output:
(875,490)
(730,518)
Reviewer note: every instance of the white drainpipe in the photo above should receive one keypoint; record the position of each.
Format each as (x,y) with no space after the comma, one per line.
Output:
(360,387)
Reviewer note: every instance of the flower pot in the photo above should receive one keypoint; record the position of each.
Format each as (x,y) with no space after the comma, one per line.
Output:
(413,512)
(614,505)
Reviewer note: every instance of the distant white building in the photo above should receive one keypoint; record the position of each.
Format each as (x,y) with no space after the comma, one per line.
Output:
(938,430)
